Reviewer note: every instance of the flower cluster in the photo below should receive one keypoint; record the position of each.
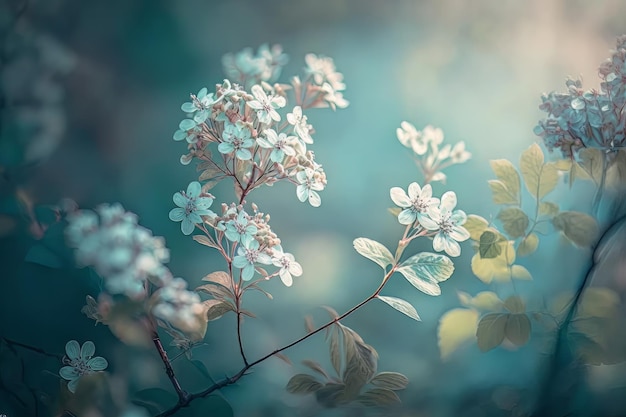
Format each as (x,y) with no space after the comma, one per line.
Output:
(178,306)
(429,158)
(591,118)
(427,214)
(80,361)
(124,253)
(246,68)
(257,138)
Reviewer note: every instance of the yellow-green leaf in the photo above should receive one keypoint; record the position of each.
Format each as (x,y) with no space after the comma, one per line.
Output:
(519,272)
(547,208)
(490,331)
(401,305)
(517,329)
(390,380)
(514,221)
(501,194)
(484,300)
(475,225)
(616,173)
(489,269)
(539,178)
(374,251)
(514,304)
(580,228)
(563,164)
(592,162)
(488,246)
(528,245)
(456,327)
(303,384)
(506,172)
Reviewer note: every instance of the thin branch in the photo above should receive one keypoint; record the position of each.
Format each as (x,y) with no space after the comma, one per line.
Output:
(233,379)
(31,348)
(183,396)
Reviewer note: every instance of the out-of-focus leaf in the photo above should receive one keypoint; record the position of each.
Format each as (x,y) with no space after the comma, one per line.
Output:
(580,228)
(539,178)
(484,300)
(315,367)
(497,268)
(598,302)
(514,304)
(616,173)
(390,380)
(591,162)
(335,351)
(501,194)
(488,244)
(456,327)
(40,254)
(303,384)
(219,277)
(330,395)
(395,211)
(475,225)
(517,329)
(520,272)
(548,209)
(361,362)
(506,172)
(528,245)
(218,310)
(401,305)
(283,358)
(374,251)
(490,331)
(425,270)
(514,221)
(378,397)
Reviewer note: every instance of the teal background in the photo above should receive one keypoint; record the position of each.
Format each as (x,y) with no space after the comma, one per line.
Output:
(475,69)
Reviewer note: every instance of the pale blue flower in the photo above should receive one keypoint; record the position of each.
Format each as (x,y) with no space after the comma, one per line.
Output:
(308,187)
(415,204)
(188,130)
(278,143)
(190,207)
(248,255)
(236,139)
(79,361)
(265,105)
(449,224)
(200,105)
(240,229)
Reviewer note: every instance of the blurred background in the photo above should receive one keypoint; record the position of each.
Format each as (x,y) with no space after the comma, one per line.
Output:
(91,95)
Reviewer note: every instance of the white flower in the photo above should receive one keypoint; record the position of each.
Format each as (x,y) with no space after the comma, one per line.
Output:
(410,137)
(448,223)
(278,143)
(300,126)
(247,256)
(458,154)
(308,187)
(266,106)
(79,361)
(288,266)
(415,204)
(333,97)
(322,70)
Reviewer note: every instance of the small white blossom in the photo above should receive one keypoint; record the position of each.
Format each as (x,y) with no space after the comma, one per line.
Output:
(178,306)
(265,105)
(308,187)
(416,204)
(458,155)
(288,266)
(449,225)
(280,144)
(300,125)
(79,361)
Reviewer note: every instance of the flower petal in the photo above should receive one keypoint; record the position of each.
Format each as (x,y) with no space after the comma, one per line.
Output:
(399,197)
(180,200)
(448,200)
(72,349)
(427,222)
(71,386)
(177,214)
(452,248)
(406,217)
(187,226)
(458,217)
(285,277)
(240,261)
(314,199)
(87,350)
(414,190)
(68,372)
(194,189)
(97,364)
(459,233)
(439,242)
(248,272)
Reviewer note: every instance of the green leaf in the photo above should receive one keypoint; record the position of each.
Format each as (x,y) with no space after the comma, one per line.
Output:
(519,272)
(378,397)
(155,400)
(528,245)
(303,384)
(514,221)
(548,209)
(514,304)
(592,163)
(390,380)
(330,395)
(501,194)
(395,211)
(475,225)
(402,306)
(456,327)
(490,332)
(425,270)
(517,329)
(218,310)
(488,246)
(506,172)
(580,228)
(374,251)
(539,178)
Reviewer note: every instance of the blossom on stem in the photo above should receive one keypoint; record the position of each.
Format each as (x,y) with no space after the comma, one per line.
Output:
(288,266)
(448,224)
(280,144)
(416,204)
(236,139)
(300,125)
(308,187)
(247,256)
(265,105)
(240,229)
(79,361)
(190,207)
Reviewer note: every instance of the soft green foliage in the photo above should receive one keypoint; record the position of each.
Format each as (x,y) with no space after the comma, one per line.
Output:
(401,305)
(374,251)
(426,270)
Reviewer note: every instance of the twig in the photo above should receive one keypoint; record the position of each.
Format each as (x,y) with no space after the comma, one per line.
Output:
(182,395)
(231,380)
(31,348)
